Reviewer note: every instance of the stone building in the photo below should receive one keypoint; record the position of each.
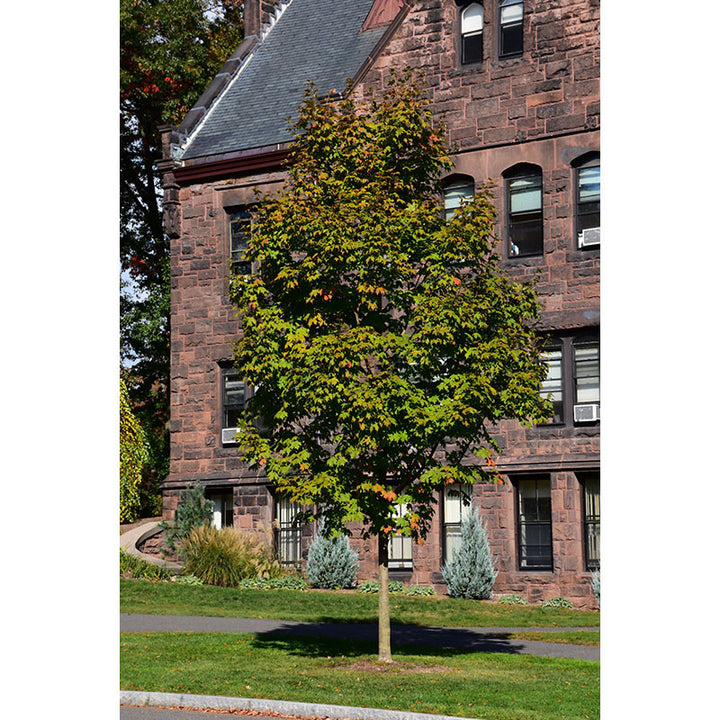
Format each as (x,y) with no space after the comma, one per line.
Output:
(517,83)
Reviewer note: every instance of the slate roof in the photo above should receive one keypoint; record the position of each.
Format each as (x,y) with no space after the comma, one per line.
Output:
(313,40)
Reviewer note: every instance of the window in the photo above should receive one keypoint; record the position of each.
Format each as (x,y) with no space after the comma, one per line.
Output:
(572,383)
(400,547)
(534,524)
(591,520)
(511,28)
(288,533)
(471,33)
(456,508)
(587,201)
(222,501)
(456,193)
(524,211)
(233,403)
(239,236)
(552,386)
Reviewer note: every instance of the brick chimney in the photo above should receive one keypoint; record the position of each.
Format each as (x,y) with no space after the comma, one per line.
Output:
(257,14)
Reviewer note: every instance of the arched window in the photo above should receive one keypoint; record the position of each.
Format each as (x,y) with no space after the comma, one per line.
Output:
(471,32)
(587,200)
(524,210)
(511,28)
(456,192)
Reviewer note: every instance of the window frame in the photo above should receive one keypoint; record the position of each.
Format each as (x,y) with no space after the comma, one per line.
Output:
(288,533)
(470,34)
(515,219)
(582,208)
(226,373)
(232,217)
(511,25)
(460,492)
(522,554)
(457,182)
(221,495)
(400,554)
(591,522)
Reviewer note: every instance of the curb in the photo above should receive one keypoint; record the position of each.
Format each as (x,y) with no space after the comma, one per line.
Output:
(281,707)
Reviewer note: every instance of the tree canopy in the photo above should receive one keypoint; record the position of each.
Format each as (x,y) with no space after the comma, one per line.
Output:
(169,51)
(383,342)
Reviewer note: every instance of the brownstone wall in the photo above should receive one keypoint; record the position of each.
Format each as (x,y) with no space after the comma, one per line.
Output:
(541,108)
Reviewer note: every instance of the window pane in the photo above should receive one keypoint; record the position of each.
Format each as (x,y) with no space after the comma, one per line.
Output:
(288,536)
(472,48)
(592,523)
(511,12)
(551,387)
(233,399)
(535,529)
(455,510)
(511,40)
(239,236)
(455,195)
(526,235)
(587,373)
(452,541)
(525,194)
(589,184)
(472,19)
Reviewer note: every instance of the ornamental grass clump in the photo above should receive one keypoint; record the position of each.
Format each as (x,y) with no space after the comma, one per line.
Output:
(332,564)
(471,572)
(225,557)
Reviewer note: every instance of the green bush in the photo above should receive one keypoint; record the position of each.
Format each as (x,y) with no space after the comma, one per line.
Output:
(595,582)
(132,566)
(225,557)
(288,582)
(556,602)
(513,600)
(471,573)
(332,563)
(419,590)
(133,457)
(372,586)
(193,510)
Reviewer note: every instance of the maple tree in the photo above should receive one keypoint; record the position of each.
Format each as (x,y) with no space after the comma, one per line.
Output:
(169,52)
(383,342)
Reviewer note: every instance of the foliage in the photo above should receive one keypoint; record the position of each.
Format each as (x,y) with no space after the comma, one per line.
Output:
(331,562)
(419,590)
(187,580)
(192,511)
(169,52)
(133,456)
(285,582)
(513,600)
(556,602)
(595,583)
(471,572)
(132,566)
(373,587)
(225,557)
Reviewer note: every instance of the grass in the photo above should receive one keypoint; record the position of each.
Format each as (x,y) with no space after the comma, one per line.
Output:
(480,685)
(573,637)
(156,598)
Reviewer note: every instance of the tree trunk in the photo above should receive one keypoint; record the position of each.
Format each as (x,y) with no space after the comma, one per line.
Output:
(384,654)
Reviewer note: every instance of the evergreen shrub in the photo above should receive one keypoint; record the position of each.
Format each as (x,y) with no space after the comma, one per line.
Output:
(332,563)
(595,582)
(471,573)
(193,510)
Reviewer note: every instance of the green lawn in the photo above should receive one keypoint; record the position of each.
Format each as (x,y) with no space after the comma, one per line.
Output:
(139,596)
(491,686)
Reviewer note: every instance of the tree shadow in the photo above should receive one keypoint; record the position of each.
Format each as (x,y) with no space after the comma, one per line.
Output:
(352,640)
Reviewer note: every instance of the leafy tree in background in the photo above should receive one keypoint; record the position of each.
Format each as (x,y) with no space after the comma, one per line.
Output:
(384,342)
(133,456)
(170,50)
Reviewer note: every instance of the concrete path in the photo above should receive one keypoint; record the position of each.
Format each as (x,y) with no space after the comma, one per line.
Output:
(475,639)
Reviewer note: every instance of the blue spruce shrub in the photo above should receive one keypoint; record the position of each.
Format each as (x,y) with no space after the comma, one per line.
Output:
(331,564)
(471,573)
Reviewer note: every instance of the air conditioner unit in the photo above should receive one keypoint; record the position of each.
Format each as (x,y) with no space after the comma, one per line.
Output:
(228,436)
(590,237)
(586,413)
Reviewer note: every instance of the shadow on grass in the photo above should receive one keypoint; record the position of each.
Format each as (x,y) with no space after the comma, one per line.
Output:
(323,639)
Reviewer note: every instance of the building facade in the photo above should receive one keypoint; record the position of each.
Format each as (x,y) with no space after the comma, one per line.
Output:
(517,85)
